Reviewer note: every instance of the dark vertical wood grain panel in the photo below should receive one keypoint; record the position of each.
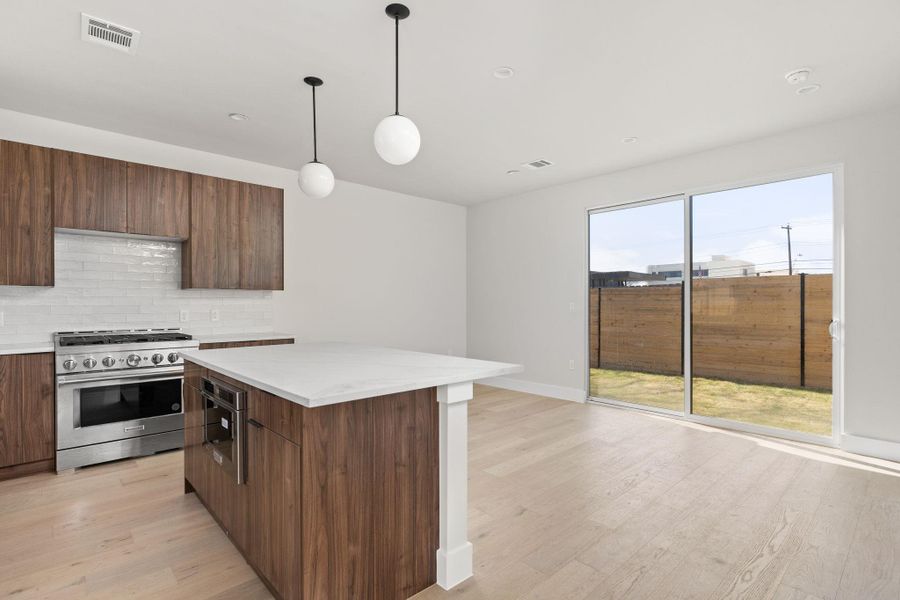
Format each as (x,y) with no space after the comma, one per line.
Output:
(158,201)
(10,413)
(337,507)
(26,215)
(405,499)
(36,373)
(245,344)
(275,496)
(277,414)
(262,237)
(26,408)
(193,373)
(226,500)
(211,257)
(89,192)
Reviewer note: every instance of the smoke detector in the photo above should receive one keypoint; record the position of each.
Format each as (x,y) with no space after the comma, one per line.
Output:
(798,76)
(103,32)
(540,163)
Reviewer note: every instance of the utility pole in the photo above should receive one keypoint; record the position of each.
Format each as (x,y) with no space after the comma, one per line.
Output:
(790,258)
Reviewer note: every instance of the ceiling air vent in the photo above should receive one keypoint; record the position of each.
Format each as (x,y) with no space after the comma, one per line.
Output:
(537,164)
(109,34)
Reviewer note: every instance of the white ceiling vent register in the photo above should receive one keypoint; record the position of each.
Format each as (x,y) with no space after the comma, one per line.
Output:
(101,31)
(537,164)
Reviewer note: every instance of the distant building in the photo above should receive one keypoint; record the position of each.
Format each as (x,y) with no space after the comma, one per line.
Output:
(719,266)
(608,279)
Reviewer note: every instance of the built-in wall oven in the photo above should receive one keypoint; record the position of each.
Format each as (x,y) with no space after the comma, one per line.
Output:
(224,426)
(118,394)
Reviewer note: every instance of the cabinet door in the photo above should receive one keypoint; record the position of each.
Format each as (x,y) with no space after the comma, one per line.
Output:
(262,238)
(273,484)
(211,256)
(158,201)
(26,215)
(26,408)
(89,192)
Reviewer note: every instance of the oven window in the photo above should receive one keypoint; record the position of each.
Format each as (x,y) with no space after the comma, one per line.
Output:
(126,402)
(220,429)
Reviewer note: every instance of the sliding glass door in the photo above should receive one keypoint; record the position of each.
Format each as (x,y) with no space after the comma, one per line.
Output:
(635,300)
(755,266)
(761,304)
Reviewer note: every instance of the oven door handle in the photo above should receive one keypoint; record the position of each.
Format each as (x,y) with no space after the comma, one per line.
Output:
(155,375)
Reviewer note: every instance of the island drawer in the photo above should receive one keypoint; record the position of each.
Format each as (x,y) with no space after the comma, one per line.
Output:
(276,414)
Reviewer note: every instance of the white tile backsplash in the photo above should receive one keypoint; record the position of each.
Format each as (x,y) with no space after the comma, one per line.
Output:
(105,282)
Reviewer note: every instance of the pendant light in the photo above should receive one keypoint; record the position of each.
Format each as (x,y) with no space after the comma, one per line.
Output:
(397,138)
(315,179)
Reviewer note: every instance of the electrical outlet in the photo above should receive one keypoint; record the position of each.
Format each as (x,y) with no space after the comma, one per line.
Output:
(1,319)
(571,307)
(214,314)
(183,315)
(572,364)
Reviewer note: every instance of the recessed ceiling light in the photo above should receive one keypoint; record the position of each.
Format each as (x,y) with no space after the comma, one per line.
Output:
(238,116)
(504,72)
(808,89)
(798,76)
(512,171)
(629,140)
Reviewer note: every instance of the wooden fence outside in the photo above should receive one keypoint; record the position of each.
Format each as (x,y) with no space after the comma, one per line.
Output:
(766,330)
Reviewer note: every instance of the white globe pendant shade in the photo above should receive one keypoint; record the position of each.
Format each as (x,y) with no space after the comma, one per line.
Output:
(397,140)
(316,180)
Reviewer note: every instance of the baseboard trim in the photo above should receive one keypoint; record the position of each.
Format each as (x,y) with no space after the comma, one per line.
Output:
(867,446)
(539,389)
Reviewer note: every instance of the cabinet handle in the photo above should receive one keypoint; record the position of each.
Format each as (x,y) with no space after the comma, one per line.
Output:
(255,423)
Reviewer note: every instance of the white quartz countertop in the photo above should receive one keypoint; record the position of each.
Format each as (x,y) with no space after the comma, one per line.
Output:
(218,338)
(26,348)
(318,374)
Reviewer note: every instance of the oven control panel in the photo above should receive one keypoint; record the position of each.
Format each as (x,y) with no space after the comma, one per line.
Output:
(117,360)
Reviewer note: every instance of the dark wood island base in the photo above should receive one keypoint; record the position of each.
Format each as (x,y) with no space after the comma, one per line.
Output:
(339,502)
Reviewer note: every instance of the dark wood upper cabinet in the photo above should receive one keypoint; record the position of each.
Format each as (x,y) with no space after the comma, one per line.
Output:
(158,201)
(26,215)
(211,256)
(26,409)
(89,192)
(262,238)
(237,236)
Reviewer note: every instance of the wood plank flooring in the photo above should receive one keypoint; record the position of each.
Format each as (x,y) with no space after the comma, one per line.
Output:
(567,502)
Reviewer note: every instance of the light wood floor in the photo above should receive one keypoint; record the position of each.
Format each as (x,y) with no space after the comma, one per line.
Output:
(567,501)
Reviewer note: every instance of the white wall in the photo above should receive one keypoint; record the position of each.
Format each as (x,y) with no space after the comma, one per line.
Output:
(363,265)
(376,267)
(527,259)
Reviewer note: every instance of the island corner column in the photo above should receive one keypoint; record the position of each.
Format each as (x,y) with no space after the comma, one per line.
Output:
(454,556)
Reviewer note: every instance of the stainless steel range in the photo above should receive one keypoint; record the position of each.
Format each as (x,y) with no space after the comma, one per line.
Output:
(118,394)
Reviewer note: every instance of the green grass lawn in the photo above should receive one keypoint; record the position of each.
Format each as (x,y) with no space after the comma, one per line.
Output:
(786,408)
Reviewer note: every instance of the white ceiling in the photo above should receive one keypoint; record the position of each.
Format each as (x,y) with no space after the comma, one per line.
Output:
(682,75)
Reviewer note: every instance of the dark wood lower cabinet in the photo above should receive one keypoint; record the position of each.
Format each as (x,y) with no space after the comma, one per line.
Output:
(245,344)
(340,502)
(274,510)
(26,413)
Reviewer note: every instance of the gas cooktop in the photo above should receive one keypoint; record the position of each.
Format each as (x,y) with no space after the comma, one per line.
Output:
(125,336)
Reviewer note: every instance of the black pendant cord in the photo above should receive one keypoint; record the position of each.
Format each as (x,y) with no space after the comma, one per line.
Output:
(396,66)
(315,134)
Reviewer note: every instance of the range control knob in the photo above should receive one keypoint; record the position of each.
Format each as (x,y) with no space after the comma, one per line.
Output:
(69,364)
(173,356)
(109,361)
(157,358)
(89,363)
(133,360)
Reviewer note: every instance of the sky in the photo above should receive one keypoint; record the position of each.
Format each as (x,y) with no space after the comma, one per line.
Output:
(743,223)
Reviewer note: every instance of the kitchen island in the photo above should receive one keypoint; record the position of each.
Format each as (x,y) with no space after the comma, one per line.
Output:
(338,470)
